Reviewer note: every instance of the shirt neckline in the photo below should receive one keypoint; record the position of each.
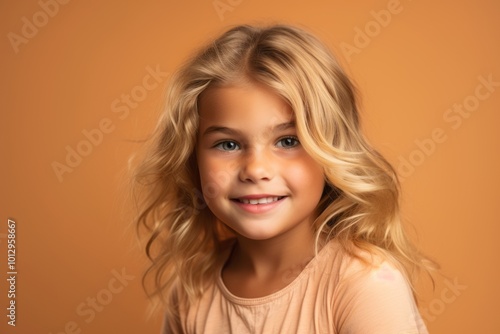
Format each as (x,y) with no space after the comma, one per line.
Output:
(275,295)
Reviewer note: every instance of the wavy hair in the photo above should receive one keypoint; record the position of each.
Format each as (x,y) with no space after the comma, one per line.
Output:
(360,205)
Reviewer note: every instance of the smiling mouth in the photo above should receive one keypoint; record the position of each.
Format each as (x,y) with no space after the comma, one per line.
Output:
(257,201)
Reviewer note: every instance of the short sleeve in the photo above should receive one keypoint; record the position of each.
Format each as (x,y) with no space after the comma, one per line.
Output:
(376,301)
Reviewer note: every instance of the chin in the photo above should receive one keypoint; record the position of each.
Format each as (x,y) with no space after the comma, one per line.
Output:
(257,235)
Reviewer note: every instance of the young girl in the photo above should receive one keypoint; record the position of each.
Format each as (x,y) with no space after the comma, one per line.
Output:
(267,210)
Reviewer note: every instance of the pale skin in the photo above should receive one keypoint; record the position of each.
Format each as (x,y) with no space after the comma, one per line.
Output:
(260,182)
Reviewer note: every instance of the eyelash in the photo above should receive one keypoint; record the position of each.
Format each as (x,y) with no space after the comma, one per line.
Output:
(295,139)
(220,144)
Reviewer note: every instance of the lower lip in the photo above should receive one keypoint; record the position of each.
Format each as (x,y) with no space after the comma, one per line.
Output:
(259,208)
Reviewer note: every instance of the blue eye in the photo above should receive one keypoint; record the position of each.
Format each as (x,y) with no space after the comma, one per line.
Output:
(288,142)
(227,146)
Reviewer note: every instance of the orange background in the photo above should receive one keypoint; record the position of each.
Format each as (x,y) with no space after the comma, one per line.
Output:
(72,235)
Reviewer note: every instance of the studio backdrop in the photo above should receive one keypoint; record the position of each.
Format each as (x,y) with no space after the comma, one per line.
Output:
(82,84)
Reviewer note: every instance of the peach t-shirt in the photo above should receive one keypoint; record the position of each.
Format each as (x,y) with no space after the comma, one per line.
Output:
(332,294)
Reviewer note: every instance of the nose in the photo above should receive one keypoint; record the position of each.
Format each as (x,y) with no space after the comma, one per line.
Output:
(256,166)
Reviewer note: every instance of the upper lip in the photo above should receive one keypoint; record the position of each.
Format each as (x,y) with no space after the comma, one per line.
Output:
(257,196)
(259,199)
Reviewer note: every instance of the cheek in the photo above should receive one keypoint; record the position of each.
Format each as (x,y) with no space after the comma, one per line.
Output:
(306,177)
(215,176)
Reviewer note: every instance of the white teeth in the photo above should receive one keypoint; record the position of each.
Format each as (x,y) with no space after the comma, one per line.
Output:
(264,200)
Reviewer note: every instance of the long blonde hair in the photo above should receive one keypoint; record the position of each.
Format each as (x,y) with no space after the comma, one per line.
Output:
(360,204)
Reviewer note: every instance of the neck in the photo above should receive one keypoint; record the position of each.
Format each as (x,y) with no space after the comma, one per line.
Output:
(289,252)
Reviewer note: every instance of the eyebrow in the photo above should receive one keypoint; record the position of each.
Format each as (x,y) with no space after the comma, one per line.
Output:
(230,131)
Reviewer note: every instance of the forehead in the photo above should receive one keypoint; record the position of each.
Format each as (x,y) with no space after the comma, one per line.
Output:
(248,105)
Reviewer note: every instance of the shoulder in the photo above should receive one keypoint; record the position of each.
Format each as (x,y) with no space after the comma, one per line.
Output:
(373,296)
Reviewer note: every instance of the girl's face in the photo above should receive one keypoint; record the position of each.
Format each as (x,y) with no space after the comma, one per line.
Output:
(255,175)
